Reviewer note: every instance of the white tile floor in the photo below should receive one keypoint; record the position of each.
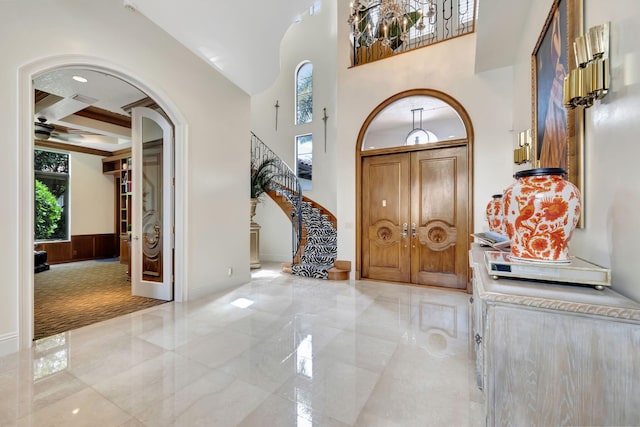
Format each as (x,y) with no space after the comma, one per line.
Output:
(306,353)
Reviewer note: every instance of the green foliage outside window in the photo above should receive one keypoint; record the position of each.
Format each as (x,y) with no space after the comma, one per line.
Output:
(47,212)
(48,161)
(51,173)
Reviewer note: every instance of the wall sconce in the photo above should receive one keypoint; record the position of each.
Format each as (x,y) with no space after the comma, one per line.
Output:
(590,80)
(523,153)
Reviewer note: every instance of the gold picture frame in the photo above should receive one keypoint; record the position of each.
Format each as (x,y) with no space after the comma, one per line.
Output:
(558,133)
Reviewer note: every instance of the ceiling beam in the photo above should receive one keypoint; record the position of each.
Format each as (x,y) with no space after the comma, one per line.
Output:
(70,147)
(105,116)
(75,121)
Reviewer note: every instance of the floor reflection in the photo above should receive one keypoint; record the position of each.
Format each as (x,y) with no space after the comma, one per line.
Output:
(51,355)
(277,351)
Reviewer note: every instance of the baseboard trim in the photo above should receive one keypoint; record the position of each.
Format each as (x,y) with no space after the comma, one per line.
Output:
(9,344)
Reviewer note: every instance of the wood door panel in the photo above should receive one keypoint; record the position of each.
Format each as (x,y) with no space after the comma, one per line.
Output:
(428,191)
(385,246)
(385,249)
(439,209)
(434,182)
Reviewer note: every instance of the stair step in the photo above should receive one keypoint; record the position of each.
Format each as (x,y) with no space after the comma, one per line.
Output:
(327,225)
(286,267)
(320,249)
(342,265)
(340,270)
(338,274)
(320,239)
(318,259)
(317,231)
(311,270)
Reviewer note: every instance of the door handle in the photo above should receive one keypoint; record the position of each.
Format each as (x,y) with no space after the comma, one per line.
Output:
(413,230)
(405,230)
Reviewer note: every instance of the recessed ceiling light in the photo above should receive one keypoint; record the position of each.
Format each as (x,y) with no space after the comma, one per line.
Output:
(79,79)
(452,136)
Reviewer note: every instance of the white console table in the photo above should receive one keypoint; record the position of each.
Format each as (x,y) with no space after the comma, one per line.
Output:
(554,354)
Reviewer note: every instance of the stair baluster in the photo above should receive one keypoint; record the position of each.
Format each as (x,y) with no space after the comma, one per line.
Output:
(285,183)
(314,228)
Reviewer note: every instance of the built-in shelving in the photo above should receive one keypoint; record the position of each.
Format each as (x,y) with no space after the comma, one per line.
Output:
(120,167)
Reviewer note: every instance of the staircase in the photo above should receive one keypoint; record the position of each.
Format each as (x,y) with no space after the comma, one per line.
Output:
(314,233)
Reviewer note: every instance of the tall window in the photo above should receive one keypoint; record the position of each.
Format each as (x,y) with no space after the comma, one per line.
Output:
(304,160)
(51,207)
(304,93)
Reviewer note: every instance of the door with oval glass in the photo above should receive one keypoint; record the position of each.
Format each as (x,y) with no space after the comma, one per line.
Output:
(152,236)
(415,217)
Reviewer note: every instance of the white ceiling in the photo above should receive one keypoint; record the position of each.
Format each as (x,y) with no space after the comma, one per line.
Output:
(242,41)
(109,92)
(68,96)
(498,32)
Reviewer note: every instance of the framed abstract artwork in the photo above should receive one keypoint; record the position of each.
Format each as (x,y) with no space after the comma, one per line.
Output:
(558,132)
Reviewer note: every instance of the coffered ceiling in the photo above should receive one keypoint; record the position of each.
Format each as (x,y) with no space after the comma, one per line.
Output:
(88,109)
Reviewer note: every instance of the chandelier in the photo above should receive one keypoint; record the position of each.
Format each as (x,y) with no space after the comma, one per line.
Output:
(389,21)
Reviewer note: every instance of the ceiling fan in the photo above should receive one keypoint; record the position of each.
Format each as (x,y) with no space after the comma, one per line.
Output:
(43,131)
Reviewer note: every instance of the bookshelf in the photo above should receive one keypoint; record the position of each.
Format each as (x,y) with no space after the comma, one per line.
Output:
(120,167)
(125,196)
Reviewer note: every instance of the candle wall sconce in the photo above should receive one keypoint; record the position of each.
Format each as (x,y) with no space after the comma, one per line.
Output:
(590,79)
(522,154)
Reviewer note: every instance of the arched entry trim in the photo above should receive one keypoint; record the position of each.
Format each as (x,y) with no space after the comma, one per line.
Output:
(361,154)
(26,75)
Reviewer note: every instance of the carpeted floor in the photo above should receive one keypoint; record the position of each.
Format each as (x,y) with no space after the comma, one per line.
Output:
(69,296)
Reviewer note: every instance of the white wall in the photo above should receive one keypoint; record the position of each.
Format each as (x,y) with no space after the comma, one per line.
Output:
(216,130)
(314,39)
(499,103)
(611,236)
(447,67)
(91,196)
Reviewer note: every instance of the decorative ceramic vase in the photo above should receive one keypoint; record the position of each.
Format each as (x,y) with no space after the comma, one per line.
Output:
(494,214)
(541,210)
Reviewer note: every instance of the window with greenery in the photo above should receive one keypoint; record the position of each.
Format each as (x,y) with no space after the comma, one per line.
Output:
(51,198)
(304,160)
(304,93)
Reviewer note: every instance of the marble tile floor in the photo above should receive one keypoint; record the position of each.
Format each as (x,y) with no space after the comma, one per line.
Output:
(278,351)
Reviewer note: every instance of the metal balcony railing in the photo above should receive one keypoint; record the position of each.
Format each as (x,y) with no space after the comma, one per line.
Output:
(383,28)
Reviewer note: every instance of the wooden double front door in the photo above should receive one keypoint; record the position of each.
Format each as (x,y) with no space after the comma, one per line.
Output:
(415,217)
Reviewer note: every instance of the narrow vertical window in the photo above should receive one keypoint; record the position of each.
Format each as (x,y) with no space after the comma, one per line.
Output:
(51,207)
(304,160)
(304,93)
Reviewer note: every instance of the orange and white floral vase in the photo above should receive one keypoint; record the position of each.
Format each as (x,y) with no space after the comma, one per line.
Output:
(494,214)
(541,210)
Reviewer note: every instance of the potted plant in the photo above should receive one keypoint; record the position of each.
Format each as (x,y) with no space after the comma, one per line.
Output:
(261,175)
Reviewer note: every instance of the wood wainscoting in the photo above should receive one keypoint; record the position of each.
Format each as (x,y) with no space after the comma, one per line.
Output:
(81,248)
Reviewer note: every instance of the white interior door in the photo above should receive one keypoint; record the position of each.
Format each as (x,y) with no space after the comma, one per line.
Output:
(152,216)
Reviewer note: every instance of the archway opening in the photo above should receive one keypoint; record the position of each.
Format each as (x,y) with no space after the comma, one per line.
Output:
(27,106)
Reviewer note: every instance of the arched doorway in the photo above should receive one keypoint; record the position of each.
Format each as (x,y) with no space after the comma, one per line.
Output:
(414,177)
(27,75)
